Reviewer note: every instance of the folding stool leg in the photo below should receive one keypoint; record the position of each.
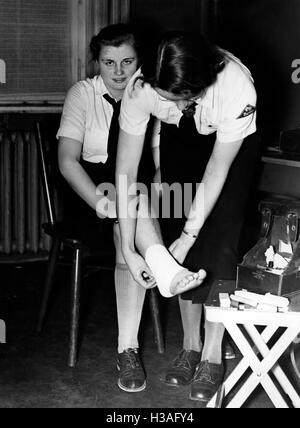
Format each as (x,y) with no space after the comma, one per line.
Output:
(260,369)
(51,269)
(220,396)
(294,359)
(75,306)
(277,370)
(155,313)
(243,365)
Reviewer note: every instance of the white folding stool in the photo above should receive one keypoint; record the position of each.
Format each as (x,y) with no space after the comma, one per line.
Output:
(242,327)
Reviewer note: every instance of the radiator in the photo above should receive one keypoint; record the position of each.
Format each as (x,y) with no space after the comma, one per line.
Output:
(22,209)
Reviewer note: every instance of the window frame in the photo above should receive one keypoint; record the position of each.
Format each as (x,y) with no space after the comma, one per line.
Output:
(86,18)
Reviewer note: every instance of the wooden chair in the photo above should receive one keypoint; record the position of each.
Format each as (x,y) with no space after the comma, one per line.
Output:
(61,235)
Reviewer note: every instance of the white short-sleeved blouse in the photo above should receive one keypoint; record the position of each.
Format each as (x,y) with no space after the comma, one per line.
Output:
(228,106)
(86,118)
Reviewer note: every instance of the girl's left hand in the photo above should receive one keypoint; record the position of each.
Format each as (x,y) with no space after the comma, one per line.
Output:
(180,248)
(106,208)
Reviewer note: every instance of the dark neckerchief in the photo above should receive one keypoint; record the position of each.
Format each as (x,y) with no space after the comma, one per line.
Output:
(114,128)
(187,121)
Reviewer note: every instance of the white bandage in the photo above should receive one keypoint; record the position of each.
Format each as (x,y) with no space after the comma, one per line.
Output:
(163,267)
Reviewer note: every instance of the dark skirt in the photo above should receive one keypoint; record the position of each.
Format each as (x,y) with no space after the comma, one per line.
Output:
(81,216)
(96,232)
(183,160)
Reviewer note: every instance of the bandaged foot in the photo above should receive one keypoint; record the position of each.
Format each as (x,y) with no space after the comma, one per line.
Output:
(171,278)
(186,280)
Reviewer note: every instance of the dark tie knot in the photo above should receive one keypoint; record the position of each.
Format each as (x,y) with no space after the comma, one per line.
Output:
(112,101)
(190,110)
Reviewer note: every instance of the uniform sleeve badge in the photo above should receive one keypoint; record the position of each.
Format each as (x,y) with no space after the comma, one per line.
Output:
(249,109)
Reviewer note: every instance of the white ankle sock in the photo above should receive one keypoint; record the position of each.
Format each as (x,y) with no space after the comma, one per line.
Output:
(163,266)
(130,300)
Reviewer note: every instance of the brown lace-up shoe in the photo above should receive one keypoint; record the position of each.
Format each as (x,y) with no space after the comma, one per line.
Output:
(131,373)
(183,368)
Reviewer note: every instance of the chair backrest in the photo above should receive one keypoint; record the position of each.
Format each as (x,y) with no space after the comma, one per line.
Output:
(45,175)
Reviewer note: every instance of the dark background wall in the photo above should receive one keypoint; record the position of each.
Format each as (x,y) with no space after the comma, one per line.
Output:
(157,16)
(265,34)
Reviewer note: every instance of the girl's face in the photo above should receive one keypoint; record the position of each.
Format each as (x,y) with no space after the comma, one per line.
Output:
(117,65)
(182,101)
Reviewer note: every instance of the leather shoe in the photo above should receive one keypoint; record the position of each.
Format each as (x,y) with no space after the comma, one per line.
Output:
(206,382)
(131,373)
(183,368)
(228,352)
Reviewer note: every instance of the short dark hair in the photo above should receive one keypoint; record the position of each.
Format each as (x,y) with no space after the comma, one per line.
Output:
(183,63)
(115,35)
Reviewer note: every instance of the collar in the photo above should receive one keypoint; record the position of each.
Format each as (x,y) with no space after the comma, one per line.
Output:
(100,88)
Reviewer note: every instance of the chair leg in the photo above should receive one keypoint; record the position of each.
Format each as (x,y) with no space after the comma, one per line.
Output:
(75,306)
(51,269)
(155,313)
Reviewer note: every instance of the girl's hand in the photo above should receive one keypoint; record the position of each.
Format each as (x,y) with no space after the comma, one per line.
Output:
(106,208)
(139,269)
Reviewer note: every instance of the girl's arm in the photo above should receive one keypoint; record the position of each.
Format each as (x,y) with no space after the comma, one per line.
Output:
(155,144)
(69,152)
(130,149)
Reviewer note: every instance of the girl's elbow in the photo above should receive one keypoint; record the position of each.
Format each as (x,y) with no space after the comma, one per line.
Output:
(65,165)
(62,164)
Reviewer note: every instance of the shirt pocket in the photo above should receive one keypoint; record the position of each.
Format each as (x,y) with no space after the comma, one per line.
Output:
(210,118)
(95,142)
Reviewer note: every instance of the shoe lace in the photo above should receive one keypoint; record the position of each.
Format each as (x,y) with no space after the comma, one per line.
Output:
(182,361)
(132,359)
(203,373)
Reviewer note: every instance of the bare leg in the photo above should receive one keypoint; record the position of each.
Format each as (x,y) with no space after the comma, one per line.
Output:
(191,320)
(147,229)
(212,350)
(147,235)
